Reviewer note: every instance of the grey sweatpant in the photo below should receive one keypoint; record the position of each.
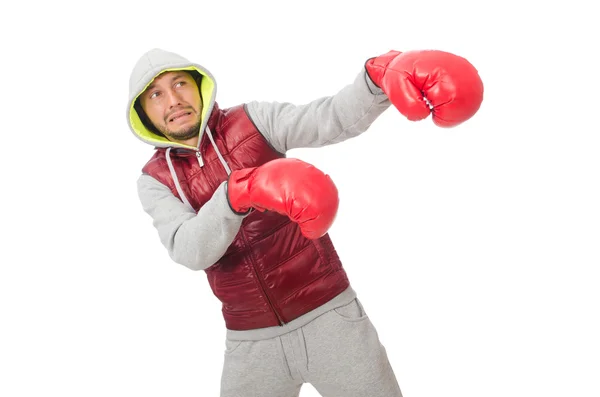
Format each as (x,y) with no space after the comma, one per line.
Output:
(338,353)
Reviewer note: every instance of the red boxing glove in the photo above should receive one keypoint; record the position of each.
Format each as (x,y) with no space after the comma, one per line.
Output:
(430,81)
(290,187)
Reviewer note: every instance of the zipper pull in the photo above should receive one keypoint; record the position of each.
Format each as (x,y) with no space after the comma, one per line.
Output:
(200,161)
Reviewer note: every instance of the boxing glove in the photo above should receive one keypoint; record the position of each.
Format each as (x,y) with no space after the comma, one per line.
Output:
(419,83)
(289,187)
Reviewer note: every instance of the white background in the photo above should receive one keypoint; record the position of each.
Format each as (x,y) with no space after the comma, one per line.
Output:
(475,250)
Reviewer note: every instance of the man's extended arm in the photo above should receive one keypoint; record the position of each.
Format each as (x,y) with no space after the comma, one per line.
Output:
(196,241)
(321,122)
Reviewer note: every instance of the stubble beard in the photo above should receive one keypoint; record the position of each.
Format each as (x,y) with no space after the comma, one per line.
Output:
(183,134)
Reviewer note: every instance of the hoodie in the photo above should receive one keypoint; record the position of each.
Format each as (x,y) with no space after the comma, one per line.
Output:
(198,239)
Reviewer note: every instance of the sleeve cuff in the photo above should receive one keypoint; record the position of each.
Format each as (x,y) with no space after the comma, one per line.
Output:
(223,191)
(372,87)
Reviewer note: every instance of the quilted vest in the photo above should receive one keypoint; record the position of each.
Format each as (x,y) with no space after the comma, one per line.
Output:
(270,274)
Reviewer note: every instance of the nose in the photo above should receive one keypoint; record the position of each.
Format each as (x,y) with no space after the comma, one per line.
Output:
(173,99)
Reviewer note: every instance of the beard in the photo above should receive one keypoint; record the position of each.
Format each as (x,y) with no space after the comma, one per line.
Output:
(182,134)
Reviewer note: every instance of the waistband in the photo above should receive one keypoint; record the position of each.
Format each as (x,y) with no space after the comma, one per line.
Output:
(271,332)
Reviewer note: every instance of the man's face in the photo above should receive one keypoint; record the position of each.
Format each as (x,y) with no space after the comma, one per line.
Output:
(173,104)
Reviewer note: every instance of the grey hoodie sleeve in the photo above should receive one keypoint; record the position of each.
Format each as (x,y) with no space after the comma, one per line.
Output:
(322,122)
(196,241)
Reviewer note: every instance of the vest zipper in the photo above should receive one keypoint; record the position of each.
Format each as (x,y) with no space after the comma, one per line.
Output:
(199,156)
(267,296)
(264,290)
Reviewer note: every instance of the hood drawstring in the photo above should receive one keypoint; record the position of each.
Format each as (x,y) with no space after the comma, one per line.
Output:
(176,180)
(227,169)
(174,175)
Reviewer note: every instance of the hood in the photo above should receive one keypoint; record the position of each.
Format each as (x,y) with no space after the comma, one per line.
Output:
(147,68)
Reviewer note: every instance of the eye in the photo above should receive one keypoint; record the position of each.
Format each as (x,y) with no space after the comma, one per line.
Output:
(180,83)
(154,94)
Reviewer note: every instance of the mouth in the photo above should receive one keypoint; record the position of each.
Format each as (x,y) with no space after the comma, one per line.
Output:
(179,116)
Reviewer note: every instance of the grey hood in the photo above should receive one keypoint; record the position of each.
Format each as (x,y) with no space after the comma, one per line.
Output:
(147,68)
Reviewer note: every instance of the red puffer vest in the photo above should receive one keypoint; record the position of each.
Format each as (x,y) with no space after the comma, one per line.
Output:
(270,274)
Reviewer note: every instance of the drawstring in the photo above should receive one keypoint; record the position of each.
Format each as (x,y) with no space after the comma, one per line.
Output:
(174,175)
(176,180)
(217,150)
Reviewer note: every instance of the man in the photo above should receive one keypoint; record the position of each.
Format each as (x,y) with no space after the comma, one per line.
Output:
(225,199)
